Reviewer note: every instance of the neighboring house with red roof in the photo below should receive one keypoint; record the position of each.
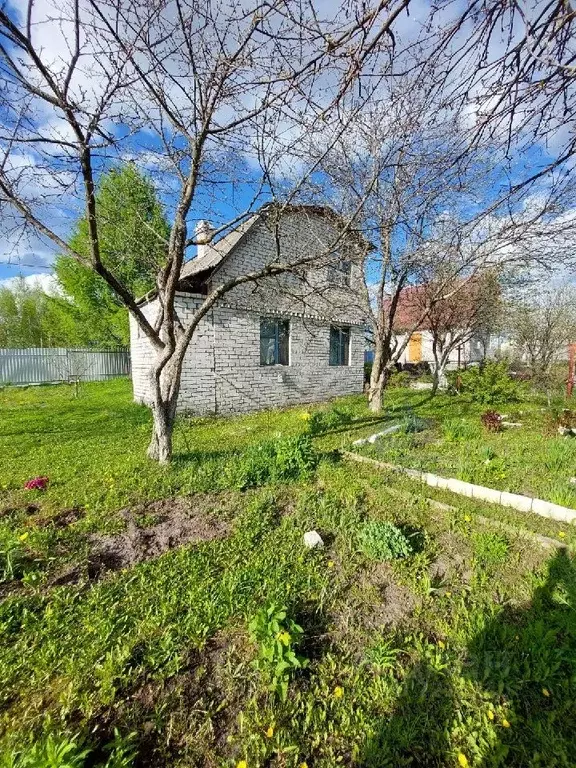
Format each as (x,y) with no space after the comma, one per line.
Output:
(295,337)
(422,318)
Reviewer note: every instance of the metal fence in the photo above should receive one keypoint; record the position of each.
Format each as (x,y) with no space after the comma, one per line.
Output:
(36,365)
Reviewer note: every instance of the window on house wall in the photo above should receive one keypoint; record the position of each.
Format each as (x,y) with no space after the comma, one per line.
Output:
(339,272)
(274,341)
(339,345)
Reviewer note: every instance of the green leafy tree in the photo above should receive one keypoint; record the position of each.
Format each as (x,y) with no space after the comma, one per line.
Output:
(133,240)
(22,309)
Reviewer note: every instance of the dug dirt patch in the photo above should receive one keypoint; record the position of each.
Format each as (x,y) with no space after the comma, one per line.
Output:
(177,522)
(374,602)
(151,530)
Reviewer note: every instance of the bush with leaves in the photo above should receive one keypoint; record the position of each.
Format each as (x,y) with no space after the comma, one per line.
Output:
(277,637)
(492,421)
(280,460)
(487,384)
(398,379)
(383,541)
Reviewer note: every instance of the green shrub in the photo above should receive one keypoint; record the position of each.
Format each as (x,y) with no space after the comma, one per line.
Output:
(324,421)
(398,379)
(488,384)
(383,541)
(277,460)
(277,637)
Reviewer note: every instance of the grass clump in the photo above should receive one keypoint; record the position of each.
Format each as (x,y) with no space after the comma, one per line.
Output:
(279,460)
(413,424)
(69,752)
(325,421)
(454,430)
(383,541)
(490,548)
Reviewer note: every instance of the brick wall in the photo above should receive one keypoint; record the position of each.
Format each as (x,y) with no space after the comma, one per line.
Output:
(222,371)
(307,291)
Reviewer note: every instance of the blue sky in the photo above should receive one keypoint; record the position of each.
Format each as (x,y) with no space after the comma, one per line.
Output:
(218,200)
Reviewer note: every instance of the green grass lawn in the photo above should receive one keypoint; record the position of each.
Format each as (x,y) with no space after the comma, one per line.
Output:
(442,641)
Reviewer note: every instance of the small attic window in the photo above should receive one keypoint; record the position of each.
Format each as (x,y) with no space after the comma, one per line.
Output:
(339,273)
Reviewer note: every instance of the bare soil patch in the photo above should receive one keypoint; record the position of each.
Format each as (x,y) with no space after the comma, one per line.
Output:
(375,601)
(174,523)
(198,707)
(453,564)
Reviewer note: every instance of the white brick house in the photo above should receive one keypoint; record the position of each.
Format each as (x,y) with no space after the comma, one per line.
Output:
(296,337)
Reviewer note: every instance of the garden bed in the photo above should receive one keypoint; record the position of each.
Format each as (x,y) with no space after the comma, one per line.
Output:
(532,460)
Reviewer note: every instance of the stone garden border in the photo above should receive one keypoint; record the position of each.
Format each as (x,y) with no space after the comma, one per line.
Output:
(480,492)
(372,438)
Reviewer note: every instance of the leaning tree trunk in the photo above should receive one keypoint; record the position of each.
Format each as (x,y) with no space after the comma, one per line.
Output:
(165,387)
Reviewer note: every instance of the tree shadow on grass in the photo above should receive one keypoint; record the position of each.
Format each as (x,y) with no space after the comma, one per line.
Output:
(526,659)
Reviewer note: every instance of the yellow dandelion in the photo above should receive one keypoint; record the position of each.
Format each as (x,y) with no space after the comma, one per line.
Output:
(505,723)
(490,715)
(448,594)
(330,563)
(545,692)
(303,765)
(441,644)
(338,692)
(23,537)
(467,518)
(284,637)
(462,760)
(305,416)
(241,764)
(562,534)
(270,731)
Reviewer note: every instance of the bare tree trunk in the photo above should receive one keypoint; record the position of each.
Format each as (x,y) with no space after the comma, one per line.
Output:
(375,392)
(439,368)
(165,386)
(160,448)
(376,388)
(441,356)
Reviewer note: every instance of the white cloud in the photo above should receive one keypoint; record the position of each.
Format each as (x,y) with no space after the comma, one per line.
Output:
(47,283)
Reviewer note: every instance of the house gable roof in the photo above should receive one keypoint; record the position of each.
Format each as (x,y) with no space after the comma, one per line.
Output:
(454,309)
(216,253)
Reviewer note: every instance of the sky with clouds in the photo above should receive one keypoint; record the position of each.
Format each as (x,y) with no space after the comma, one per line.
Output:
(30,254)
